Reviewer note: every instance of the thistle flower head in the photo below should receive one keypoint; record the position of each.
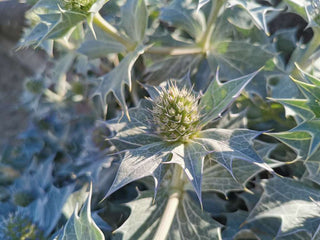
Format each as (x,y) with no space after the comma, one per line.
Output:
(175,114)
(19,227)
(77,5)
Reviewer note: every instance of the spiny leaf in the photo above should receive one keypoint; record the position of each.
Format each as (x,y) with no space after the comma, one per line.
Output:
(288,200)
(135,132)
(313,128)
(99,45)
(227,145)
(82,227)
(190,157)
(313,167)
(234,58)
(220,96)
(299,141)
(256,11)
(186,19)
(117,78)
(141,162)
(190,222)
(134,18)
(54,24)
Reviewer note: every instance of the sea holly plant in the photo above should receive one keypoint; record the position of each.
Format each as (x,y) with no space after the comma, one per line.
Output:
(161,106)
(170,128)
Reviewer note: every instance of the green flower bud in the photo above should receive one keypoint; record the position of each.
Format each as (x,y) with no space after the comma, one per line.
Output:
(20,227)
(175,114)
(77,5)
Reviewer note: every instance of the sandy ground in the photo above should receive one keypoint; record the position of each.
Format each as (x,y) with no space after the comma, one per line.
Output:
(15,66)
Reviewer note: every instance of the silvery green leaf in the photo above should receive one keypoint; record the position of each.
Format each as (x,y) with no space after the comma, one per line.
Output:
(47,210)
(235,58)
(54,24)
(257,12)
(298,141)
(97,6)
(82,227)
(172,67)
(290,201)
(99,45)
(313,128)
(217,178)
(190,222)
(117,78)
(313,166)
(201,3)
(219,96)
(226,145)
(134,18)
(190,157)
(233,225)
(141,162)
(180,17)
(135,132)
(298,6)
(312,9)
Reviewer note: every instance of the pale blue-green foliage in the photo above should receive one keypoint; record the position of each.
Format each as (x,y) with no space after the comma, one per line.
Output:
(81,227)
(305,137)
(190,222)
(223,161)
(146,152)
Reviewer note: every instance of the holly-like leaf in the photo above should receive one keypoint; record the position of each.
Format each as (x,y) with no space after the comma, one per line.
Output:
(141,162)
(313,128)
(82,227)
(304,138)
(313,167)
(99,45)
(234,58)
(220,96)
(134,132)
(185,19)
(227,145)
(190,157)
(257,12)
(297,6)
(117,78)
(134,18)
(54,22)
(189,222)
(290,201)
(298,141)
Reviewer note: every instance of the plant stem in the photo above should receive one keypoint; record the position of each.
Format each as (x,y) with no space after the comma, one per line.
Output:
(205,39)
(312,47)
(176,190)
(112,31)
(174,50)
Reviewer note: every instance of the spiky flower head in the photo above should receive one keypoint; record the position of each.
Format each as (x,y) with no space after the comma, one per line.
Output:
(20,227)
(175,114)
(77,5)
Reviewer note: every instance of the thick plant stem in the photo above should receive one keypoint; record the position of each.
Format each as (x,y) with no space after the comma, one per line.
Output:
(173,51)
(205,39)
(176,190)
(112,31)
(304,61)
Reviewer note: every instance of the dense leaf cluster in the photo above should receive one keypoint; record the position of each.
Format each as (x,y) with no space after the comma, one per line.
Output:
(188,119)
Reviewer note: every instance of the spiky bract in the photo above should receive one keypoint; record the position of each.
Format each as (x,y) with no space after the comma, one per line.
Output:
(175,114)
